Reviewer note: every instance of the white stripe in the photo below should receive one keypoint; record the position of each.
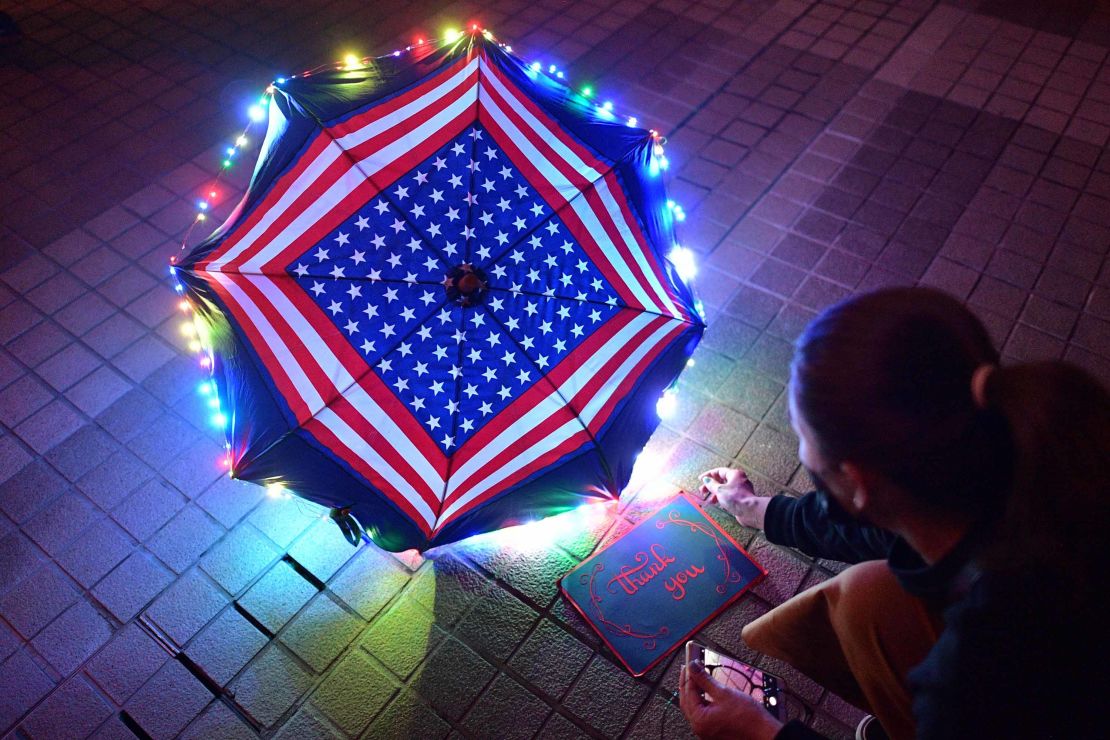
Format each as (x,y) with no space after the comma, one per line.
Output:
(374,416)
(550,405)
(569,192)
(333,151)
(357,445)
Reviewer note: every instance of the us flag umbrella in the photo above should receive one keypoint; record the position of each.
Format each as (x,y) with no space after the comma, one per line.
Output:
(444,302)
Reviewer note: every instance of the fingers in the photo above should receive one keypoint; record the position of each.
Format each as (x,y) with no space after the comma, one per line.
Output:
(700,678)
(688,697)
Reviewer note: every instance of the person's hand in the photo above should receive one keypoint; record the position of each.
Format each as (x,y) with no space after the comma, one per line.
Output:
(730,489)
(717,712)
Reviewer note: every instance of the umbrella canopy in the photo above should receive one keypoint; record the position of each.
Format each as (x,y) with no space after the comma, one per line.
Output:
(443,301)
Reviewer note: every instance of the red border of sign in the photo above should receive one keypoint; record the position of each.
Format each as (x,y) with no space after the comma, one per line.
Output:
(697,503)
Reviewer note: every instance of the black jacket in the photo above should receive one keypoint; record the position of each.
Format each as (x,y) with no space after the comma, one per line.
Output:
(1022,655)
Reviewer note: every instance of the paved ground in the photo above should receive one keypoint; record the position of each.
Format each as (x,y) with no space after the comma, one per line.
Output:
(820,148)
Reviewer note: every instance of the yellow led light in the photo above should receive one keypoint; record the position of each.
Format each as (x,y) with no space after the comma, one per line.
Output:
(350,61)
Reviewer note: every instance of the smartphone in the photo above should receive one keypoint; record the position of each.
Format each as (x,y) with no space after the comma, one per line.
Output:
(762,686)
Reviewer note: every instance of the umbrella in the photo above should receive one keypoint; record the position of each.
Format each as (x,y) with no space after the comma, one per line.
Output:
(442,303)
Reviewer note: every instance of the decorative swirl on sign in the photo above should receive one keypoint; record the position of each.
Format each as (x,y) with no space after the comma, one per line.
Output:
(730,575)
(626,630)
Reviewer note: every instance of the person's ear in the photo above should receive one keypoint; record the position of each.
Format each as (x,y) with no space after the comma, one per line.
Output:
(859,488)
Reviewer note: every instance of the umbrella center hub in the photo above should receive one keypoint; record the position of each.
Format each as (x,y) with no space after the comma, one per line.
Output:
(466,284)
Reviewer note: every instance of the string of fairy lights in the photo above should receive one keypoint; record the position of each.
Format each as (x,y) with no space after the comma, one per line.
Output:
(196,330)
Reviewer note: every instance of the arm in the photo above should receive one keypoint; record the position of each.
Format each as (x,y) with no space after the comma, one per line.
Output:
(811,525)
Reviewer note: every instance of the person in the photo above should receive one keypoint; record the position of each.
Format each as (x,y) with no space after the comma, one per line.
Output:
(972,500)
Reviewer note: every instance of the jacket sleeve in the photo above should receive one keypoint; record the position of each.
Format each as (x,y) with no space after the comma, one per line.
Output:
(805,523)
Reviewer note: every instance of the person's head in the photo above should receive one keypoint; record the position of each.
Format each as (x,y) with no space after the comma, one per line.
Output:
(880,396)
(890,421)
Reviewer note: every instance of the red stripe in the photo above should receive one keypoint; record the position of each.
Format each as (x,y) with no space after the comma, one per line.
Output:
(605,217)
(327,438)
(549,425)
(571,443)
(565,211)
(367,189)
(319,380)
(334,171)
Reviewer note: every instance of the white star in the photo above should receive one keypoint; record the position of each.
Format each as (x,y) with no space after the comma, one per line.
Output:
(414,244)
(382,207)
(437,387)
(362,223)
(355,291)
(485,408)
(534,241)
(474,166)
(523,376)
(368,346)
(533,274)
(483,252)
(475,354)
(488,185)
(390,294)
(386,365)
(503,204)
(508,358)
(595,316)
(388,330)
(467,232)
(475,134)
(321,254)
(427,299)
(497,304)
(436,196)
(489,374)
(466,425)
(560,345)
(567,247)
(417,403)
(451,406)
(337,272)
(418,211)
(335,307)
(564,312)
(513,323)
(440,352)
(542,361)
(440,163)
(394,259)
(358,257)
(498,271)
(408,313)
(576,330)
(505,392)
(371,310)
(424,332)
(582,265)
(505,172)
(536,209)
(521,191)
(401,192)
(452,214)
(494,338)
(486,218)
(528,343)
(405,348)
(448,441)
(517,256)
(596,284)
(401,384)
(420,368)
(491,153)
(518,222)
(398,226)
(449,249)
(378,241)
(471,199)
(421,178)
(458,148)
(433,229)
(351,327)
(455,180)
(433,422)
(550,260)
(502,237)
(552,228)
(545,327)
(459,336)
(478,319)
(301,270)
(471,390)
(566,279)
(430,263)
(342,239)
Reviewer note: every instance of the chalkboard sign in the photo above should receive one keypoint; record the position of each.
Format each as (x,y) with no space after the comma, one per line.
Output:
(660,582)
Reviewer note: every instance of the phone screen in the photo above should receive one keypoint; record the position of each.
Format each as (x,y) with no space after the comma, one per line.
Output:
(737,674)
